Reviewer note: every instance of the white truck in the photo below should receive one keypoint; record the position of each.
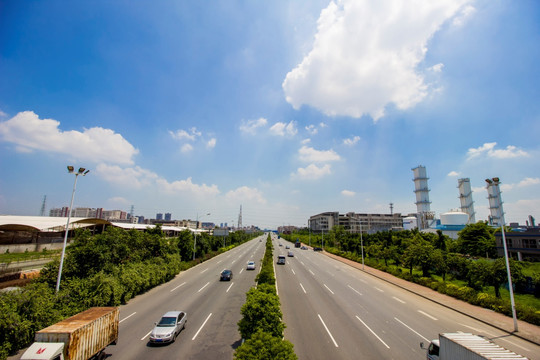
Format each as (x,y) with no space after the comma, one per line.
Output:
(81,337)
(465,346)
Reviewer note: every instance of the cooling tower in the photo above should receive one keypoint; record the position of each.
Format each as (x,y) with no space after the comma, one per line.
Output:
(465,197)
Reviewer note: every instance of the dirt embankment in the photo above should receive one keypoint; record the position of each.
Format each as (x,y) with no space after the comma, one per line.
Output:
(20,278)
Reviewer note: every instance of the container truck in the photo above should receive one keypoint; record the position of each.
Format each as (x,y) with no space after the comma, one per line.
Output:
(81,337)
(465,346)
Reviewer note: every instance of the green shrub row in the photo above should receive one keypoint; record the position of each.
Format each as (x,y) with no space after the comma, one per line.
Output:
(465,293)
(261,326)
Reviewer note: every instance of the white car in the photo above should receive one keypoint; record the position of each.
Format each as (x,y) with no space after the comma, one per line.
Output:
(250,265)
(168,327)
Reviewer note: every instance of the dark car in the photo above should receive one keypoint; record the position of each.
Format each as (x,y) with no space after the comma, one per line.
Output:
(317,249)
(168,327)
(281,260)
(226,275)
(304,248)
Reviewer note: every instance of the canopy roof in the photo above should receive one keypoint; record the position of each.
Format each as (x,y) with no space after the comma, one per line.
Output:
(45,223)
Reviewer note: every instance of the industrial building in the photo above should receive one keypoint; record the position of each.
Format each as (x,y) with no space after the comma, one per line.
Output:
(355,222)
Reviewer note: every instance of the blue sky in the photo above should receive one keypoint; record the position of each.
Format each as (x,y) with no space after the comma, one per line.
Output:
(288,108)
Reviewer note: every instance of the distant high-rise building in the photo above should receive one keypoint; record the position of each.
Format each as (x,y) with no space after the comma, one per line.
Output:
(168,216)
(159,216)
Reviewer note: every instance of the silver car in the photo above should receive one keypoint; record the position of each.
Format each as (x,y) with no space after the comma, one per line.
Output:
(168,327)
(250,265)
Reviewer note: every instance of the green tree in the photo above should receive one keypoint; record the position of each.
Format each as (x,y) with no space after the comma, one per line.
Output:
(264,346)
(261,311)
(419,253)
(477,240)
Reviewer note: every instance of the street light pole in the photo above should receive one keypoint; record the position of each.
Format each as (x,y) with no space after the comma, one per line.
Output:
(83,172)
(196,227)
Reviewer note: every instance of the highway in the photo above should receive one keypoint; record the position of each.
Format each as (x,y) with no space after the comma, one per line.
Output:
(334,311)
(212,306)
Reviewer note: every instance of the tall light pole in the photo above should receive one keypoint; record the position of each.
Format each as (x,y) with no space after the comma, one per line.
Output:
(71,170)
(196,227)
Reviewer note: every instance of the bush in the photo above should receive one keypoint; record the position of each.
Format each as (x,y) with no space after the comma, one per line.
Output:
(264,346)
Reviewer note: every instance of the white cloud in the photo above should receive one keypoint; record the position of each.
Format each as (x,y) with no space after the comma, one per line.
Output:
(529,182)
(488,150)
(465,14)
(309,154)
(312,172)
(365,56)
(186,186)
(283,129)
(348,193)
(186,148)
(437,67)
(118,201)
(453,174)
(305,141)
(3,114)
(211,143)
(30,133)
(135,177)
(244,193)
(351,141)
(251,126)
(312,129)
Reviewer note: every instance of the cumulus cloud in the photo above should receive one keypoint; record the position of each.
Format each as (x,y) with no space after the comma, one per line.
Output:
(30,133)
(348,193)
(351,141)
(186,148)
(365,56)
(186,186)
(488,150)
(453,174)
(283,129)
(465,13)
(309,154)
(131,177)
(210,144)
(251,126)
(185,135)
(312,129)
(312,172)
(245,194)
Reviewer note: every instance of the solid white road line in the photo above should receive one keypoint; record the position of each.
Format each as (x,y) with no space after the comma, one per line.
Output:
(353,289)
(328,289)
(408,327)
(303,288)
(373,332)
(178,286)
(204,323)
(204,286)
(127,317)
(230,286)
(328,331)
(145,336)
(426,314)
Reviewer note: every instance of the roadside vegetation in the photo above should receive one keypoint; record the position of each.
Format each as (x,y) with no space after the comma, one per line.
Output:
(261,326)
(101,270)
(467,268)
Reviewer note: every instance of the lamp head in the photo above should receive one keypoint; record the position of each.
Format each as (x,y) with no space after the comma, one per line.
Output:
(488,181)
(86,172)
(81,170)
(70,168)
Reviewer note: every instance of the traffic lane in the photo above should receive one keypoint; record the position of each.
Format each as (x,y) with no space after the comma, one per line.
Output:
(196,300)
(423,319)
(318,328)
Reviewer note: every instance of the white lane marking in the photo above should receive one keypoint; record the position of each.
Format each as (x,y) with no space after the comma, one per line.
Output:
(328,331)
(204,286)
(475,329)
(204,270)
(219,261)
(127,317)
(241,271)
(426,314)
(353,289)
(373,332)
(408,327)
(198,331)
(293,271)
(234,261)
(178,286)
(305,292)
(381,290)
(311,272)
(328,289)
(301,262)
(398,299)
(362,280)
(230,286)
(145,336)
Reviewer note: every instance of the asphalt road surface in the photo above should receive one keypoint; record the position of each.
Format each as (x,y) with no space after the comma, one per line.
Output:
(333,311)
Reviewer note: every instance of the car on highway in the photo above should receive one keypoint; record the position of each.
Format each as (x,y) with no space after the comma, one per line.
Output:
(281,260)
(168,327)
(250,265)
(290,254)
(317,249)
(304,248)
(287,247)
(226,275)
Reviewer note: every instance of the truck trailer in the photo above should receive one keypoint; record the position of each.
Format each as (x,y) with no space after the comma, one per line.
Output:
(81,337)
(466,346)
